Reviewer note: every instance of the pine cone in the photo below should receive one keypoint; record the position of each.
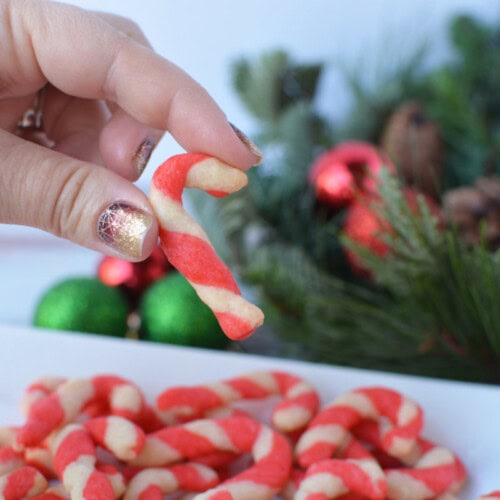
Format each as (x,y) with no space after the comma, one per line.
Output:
(414,144)
(468,207)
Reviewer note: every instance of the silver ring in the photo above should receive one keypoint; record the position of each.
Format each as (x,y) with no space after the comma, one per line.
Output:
(32,118)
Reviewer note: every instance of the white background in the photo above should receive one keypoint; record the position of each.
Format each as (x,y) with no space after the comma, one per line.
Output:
(205,37)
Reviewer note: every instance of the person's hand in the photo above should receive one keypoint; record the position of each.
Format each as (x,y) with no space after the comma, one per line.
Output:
(107,100)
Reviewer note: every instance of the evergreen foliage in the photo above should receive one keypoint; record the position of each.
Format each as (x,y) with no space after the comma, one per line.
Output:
(432,306)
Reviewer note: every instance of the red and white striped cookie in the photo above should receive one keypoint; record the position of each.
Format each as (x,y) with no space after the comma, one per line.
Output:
(53,493)
(430,471)
(266,477)
(115,476)
(332,424)
(437,471)
(115,395)
(10,459)
(21,483)
(363,474)
(75,464)
(336,477)
(299,405)
(39,389)
(119,436)
(40,457)
(200,438)
(155,482)
(186,245)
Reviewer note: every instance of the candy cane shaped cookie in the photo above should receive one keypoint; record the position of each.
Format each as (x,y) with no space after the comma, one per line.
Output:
(118,435)
(272,464)
(436,472)
(115,476)
(75,464)
(114,394)
(10,459)
(53,493)
(335,477)
(361,475)
(429,472)
(121,396)
(155,482)
(200,438)
(187,246)
(41,458)
(21,483)
(39,389)
(294,412)
(331,425)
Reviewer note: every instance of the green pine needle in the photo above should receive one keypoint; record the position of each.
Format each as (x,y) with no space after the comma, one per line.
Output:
(432,305)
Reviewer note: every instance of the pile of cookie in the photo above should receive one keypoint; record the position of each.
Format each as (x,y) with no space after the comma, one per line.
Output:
(100,438)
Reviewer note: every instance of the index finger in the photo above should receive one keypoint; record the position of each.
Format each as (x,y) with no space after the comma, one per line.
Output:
(82,55)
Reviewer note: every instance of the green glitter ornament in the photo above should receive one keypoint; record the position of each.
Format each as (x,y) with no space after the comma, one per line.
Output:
(83,305)
(172,312)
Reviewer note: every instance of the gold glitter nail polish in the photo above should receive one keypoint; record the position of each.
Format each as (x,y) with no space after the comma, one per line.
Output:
(124,228)
(142,155)
(248,143)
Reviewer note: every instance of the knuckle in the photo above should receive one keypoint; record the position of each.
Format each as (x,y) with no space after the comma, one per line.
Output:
(125,26)
(70,198)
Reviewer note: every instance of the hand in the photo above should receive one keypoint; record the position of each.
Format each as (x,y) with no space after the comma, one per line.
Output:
(107,100)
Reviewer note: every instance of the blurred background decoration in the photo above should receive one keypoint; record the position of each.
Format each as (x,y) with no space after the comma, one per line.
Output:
(374,241)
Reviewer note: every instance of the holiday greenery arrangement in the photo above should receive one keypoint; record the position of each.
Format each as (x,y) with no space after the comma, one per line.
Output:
(374,242)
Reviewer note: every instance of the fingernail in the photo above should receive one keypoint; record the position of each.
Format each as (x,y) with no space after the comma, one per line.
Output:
(142,156)
(248,143)
(124,228)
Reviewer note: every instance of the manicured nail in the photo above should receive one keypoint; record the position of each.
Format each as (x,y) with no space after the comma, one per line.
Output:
(248,143)
(124,228)
(142,155)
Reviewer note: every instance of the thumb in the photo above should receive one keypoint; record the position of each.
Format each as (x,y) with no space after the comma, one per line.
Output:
(72,199)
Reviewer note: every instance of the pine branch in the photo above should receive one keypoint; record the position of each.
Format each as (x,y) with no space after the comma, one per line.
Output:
(432,305)
(269,85)
(432,269)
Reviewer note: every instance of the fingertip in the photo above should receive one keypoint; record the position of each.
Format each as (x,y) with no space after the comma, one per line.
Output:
(127,231)
(252,150)
(150,242)
(202,127)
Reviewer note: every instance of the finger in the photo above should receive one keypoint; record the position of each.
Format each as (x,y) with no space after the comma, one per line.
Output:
(125,26)
(126,144)
(103,63)
(87,204)
(86,130)
(74,125)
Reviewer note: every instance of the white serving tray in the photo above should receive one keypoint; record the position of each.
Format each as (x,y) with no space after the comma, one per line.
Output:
(463,417)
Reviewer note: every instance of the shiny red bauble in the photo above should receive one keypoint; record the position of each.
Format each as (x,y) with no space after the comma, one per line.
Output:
(347,171)
(133,277)
(365,226)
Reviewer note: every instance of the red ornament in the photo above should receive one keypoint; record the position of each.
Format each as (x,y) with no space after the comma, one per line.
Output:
(133,277)
(366,227)
(347,170)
